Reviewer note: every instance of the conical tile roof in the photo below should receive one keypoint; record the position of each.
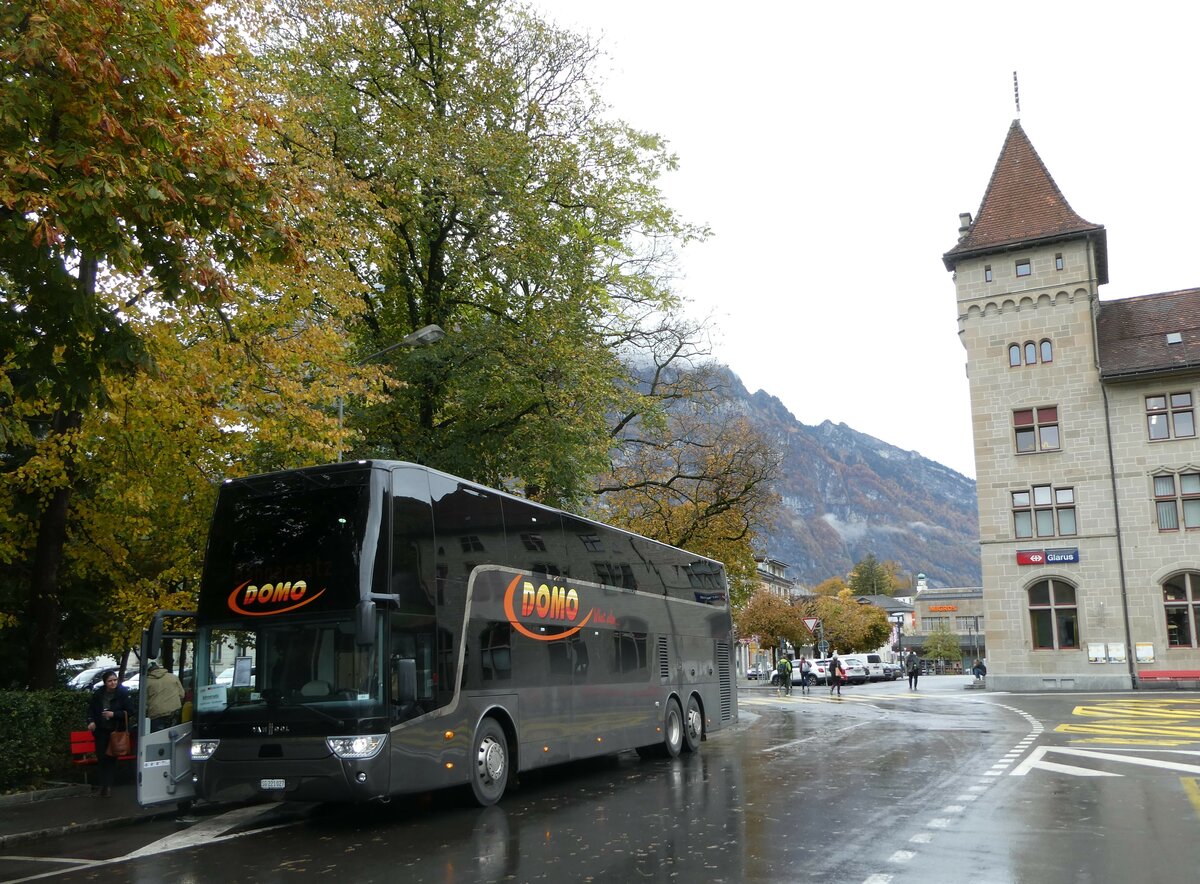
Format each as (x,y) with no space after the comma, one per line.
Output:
(1023,205)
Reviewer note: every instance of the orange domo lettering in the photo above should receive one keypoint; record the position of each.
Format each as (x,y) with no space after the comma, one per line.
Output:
(550,602)
(545,603)
(280,592)
(271,598)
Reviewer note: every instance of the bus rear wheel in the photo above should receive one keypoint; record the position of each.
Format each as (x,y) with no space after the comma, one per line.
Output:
(672,740)
(693,726)
(489,775)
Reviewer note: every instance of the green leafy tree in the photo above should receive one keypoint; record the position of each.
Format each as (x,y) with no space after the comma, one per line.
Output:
(869,577)
(489,194)
(941,644)
(128,173)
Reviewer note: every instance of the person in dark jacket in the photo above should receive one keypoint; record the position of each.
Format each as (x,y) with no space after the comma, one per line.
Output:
(110,709)
(912,666)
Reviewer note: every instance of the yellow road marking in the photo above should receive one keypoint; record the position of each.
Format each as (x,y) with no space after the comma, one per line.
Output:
(1137,722)
(1191,788)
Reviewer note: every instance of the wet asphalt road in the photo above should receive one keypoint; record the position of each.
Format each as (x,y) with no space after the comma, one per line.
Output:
(881,787)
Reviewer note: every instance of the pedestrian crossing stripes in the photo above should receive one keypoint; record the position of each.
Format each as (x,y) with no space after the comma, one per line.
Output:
(818,696)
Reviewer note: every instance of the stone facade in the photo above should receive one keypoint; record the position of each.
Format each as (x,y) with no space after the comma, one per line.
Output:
(1091,450)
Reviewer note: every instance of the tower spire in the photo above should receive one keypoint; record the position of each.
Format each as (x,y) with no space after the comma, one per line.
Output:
(1017,94)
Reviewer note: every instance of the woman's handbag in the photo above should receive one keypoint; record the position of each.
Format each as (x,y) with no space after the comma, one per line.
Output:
(118,742)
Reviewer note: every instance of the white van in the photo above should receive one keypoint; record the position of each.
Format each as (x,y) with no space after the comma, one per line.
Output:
(874,664)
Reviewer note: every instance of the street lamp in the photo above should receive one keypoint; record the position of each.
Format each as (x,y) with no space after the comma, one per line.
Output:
(422,337)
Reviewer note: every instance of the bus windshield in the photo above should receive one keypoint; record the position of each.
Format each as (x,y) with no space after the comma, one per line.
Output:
(314,662)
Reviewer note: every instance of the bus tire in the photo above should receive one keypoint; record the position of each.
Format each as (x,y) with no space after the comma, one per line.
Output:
(672,741)
(693,726)
(490,762)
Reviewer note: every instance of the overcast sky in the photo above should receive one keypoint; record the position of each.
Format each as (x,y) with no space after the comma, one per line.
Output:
(831,146)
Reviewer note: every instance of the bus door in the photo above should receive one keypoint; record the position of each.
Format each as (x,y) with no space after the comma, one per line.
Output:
(164,746)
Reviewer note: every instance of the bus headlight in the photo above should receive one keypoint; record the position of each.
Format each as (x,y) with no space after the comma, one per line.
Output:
(361,746)
(203,749)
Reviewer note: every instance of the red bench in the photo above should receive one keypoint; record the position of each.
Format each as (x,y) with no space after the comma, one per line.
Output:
(83,750)
(1159,677)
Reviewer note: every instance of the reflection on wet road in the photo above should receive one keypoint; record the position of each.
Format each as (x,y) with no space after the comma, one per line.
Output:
(884,786)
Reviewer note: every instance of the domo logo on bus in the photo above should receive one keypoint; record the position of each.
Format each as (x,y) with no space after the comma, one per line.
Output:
(527,605)
(271,598)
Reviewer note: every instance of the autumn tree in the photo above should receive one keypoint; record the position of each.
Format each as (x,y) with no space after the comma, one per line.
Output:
(128,173)
(850,626)
(830,586)
(773,619)
(700,480)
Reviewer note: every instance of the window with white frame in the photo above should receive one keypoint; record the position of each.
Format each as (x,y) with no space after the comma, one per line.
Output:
(1170,416)
(1053,615)
(1036,429)
(1044,511)
(1177,500)
(1181,601)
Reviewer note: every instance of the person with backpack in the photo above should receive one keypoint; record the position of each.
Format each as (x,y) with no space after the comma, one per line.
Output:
(913,667)
(805,673)
(784,668)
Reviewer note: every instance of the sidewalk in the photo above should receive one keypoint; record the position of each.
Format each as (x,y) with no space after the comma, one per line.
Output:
(69,808)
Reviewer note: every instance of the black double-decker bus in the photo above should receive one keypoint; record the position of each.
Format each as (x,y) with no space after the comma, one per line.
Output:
(375,628)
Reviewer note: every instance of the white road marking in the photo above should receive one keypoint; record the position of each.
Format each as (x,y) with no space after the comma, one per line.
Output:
(939,823)
(205,832)
(1035,760)
(878,879)
(921,838)
(809,739)
(901,856)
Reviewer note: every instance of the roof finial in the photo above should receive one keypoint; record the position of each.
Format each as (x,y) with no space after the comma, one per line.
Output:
(1017,94)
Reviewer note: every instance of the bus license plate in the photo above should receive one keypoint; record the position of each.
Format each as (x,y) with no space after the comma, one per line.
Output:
(272,785)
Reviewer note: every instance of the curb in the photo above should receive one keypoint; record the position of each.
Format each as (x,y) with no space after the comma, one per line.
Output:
(16,838)
(59,790)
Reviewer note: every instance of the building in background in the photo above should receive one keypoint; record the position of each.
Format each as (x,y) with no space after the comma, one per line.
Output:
(1086,454)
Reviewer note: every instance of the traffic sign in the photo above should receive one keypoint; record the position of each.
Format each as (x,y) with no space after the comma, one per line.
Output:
(823,648)
(811,623)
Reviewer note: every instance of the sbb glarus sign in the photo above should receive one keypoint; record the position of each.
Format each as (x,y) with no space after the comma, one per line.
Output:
(1047,556)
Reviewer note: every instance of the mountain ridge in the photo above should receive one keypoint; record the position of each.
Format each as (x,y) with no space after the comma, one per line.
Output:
(846,494)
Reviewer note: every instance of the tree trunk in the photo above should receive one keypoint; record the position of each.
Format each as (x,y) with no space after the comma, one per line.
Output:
(45,606)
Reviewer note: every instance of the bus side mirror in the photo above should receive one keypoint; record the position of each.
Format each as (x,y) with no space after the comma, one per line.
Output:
(364,622)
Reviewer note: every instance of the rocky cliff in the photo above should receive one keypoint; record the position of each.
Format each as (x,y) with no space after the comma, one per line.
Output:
(846,494)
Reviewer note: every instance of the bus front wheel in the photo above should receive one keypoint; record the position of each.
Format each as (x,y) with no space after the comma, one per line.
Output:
(489,776)
(693,726)
(672,741)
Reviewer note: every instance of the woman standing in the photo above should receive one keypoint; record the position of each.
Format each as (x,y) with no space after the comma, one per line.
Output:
(110,709)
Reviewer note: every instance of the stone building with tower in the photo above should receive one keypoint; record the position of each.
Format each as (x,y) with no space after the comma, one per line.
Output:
(1086,451)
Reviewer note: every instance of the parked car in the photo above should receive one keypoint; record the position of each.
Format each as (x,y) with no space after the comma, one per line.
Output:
(87,679)
(892,671)
(757,671)
(856,668)
(874,667)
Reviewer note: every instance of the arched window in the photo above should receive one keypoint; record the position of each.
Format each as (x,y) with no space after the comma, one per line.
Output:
(1030,353)
(1014,354)
(1053,616)
(1181,599)
(1047,350)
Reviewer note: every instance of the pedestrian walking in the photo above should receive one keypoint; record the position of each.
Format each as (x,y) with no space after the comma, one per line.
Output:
(913,667)
(109,710)
(805,673)
(164,697)
(784,668)
(837,673)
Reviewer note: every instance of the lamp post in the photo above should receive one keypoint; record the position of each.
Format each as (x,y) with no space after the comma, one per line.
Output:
(899,621)
(422,337)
